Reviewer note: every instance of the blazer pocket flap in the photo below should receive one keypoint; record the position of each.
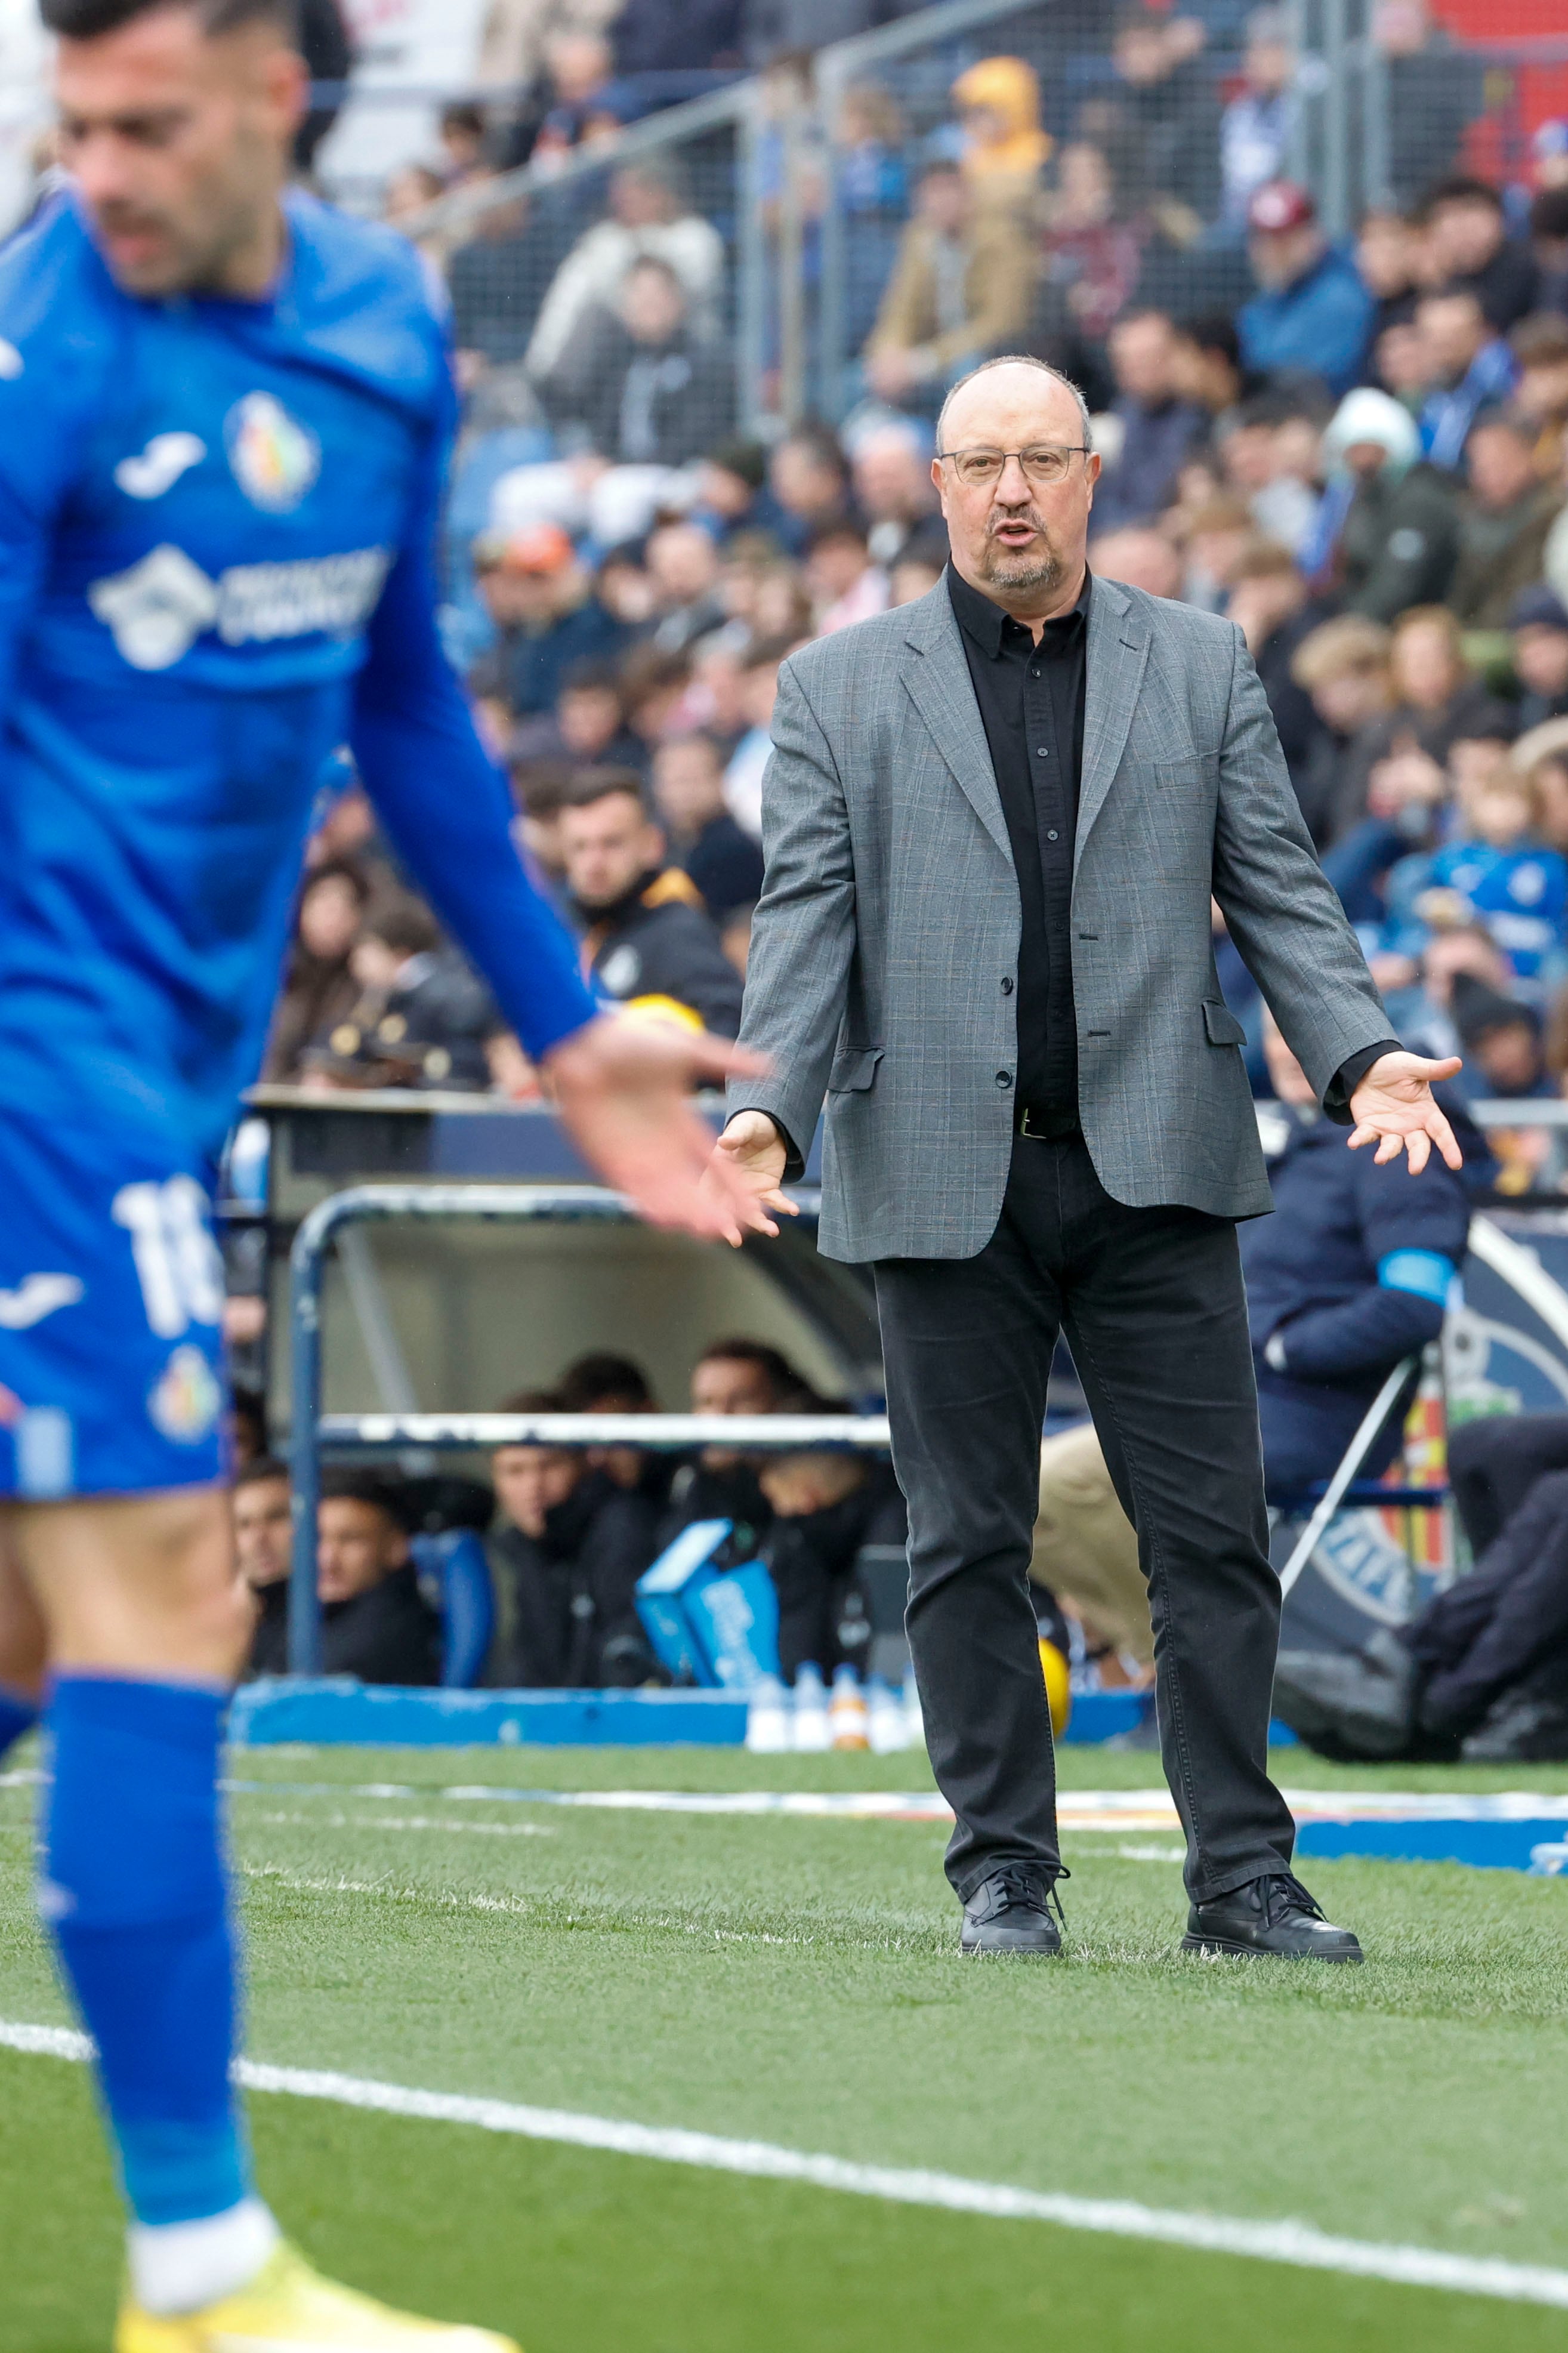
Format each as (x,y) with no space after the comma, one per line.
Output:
(1222,1025)
(853,1069)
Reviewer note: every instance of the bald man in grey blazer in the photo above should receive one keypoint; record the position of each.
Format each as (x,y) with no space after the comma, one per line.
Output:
(993,822)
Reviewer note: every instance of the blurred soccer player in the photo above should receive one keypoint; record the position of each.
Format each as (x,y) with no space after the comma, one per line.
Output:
(223,414)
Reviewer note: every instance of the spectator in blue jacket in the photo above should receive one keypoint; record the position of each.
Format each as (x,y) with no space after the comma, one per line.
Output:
(1351,1275)
(1472,369)
(1498,872)
(1313,313)
(548,618)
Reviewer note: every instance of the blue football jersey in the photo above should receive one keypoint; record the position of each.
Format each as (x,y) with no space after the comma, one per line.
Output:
(216,531)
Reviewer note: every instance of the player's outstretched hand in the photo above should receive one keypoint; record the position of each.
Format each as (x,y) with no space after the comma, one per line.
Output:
(623,1088)
(1393,1104)
(745,1174)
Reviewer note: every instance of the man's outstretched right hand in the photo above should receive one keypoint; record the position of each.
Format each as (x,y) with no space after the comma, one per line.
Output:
(744,1176)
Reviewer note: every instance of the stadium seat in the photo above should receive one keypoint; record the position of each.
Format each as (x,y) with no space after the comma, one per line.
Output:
(454,1570)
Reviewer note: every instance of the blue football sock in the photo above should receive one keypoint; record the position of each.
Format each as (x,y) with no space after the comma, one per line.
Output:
(18,1714)
(136,1895)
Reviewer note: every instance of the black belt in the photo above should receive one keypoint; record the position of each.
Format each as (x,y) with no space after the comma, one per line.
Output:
(1045,1123)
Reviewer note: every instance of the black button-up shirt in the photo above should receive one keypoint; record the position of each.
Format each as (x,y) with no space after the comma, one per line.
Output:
(1031,702)
(1031,705)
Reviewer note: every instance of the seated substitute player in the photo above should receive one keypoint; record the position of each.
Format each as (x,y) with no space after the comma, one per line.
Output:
(223,414)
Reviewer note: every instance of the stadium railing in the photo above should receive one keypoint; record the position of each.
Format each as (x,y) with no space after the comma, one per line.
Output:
(808,248)
(763,159)
(531,217)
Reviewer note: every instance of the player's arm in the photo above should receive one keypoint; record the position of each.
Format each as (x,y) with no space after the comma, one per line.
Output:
(622,1088)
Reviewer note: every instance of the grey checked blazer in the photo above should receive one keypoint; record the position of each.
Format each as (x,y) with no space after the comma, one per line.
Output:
(885,947)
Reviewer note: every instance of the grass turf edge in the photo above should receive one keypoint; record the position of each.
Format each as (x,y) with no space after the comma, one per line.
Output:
(570,2249)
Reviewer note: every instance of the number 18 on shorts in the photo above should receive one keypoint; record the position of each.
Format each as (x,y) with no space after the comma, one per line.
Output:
(110,1306)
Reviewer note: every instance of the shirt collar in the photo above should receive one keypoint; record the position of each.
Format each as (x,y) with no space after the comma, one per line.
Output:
(984,622)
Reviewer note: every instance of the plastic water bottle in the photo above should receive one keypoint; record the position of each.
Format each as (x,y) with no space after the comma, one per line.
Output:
(767,1718)
(812,1731)
(847,1715)
(914,1717)
(885,1717)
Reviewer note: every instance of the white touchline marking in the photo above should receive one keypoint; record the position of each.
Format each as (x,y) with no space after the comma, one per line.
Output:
(1298,2243)
(297,1881)
(1124,1810)
(529,1907)
(402,1822)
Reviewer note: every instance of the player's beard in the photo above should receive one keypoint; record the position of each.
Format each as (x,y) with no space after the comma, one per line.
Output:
(197,240)
(1034,567)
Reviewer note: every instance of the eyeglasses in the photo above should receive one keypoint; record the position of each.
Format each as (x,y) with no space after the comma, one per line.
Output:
(1046,462)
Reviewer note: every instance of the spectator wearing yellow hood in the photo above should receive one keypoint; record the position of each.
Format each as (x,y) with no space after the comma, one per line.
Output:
(1005,148)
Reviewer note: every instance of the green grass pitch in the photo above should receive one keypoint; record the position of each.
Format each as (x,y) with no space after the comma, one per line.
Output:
(797,1980)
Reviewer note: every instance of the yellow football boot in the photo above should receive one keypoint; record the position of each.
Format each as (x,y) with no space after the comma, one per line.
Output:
(290,2308)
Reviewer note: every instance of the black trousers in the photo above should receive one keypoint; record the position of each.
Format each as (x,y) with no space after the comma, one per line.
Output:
(1153,1309)
(1504,1628)
(1493,1464)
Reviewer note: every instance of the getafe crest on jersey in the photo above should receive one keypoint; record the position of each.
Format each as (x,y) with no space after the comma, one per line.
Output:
(275,460)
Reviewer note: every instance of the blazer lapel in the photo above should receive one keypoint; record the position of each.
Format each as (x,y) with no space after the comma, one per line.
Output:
(939,682)
(1117,651)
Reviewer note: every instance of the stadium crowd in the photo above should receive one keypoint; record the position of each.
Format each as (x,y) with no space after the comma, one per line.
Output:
(1356,449)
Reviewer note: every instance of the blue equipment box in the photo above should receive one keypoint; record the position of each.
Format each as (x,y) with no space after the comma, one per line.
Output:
(715,1627)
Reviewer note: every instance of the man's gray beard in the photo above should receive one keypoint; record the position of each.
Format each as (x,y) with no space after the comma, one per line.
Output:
(1028,572)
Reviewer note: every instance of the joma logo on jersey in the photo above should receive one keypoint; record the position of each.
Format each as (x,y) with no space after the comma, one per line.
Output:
(158,468)
(275,460)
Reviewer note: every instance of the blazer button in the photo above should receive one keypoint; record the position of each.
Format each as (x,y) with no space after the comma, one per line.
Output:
(1004,1077)
(1007,984)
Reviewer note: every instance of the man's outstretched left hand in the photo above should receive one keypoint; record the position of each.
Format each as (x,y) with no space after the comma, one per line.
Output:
(623,1088)
(1394,1106)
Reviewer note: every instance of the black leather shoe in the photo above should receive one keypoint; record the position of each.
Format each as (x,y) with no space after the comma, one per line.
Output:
(1011,1912)
(1273,1916)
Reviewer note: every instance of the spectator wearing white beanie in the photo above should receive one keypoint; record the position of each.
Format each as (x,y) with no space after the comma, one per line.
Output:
(1389,527)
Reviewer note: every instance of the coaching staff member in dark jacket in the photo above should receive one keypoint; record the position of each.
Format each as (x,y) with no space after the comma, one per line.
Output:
(992,822)
(375,1623)
(1349,1278)
(647,936)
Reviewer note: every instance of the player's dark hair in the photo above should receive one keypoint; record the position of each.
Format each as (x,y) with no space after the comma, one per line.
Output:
(365,1486)
(1214,330)
(263,1466)
(88,20)
(404,923)
(338,869)
(542,785)
(589,1380)
(771,1363)
(1461,188)
(589,675)
(592,786)
(837,528)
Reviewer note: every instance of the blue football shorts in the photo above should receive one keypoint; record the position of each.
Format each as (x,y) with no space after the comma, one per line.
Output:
(110,1305)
